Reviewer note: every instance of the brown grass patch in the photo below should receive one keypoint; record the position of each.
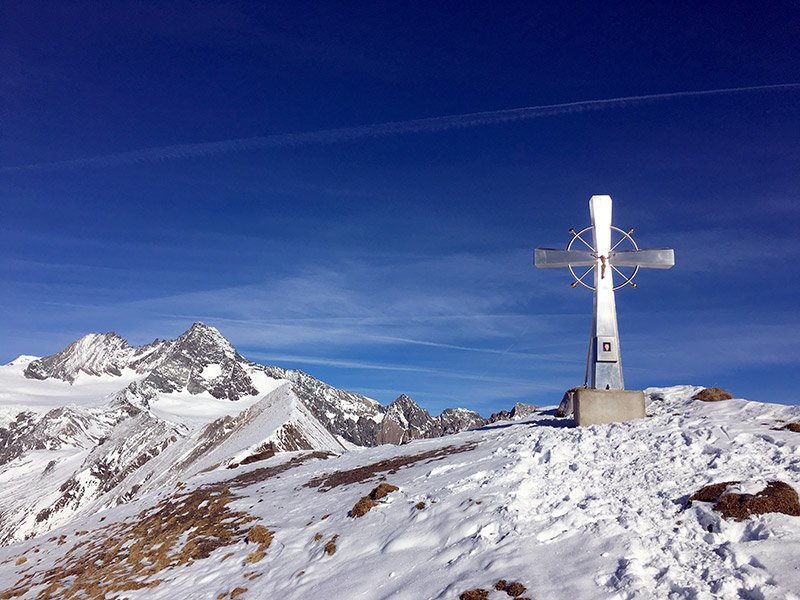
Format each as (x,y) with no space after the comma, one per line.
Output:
(237,591)
(330,547)
(713,394)
(178,530)
(262,536)
(711,493)
(268,452)
(476,594)
(129,555)
(264,473)
(362,507)
(792,427)
(259,534)
(390,465)
(21,560)
(383,490)
(777,497)
(501,585)
(318,536)
(420,505)
(515,588)
(367,503)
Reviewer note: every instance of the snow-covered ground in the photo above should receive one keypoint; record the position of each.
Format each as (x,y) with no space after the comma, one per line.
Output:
(597,512)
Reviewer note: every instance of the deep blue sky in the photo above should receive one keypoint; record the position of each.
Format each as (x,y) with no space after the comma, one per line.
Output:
(402,263)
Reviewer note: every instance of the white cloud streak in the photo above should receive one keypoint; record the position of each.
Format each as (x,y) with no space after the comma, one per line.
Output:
(376,130)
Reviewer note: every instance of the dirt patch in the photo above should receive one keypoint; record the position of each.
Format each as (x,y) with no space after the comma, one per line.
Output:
(330,547)
(237,592)
(476,594)
(318,536)
(501,585)
(391,466)
(362,507)
(420,505)
(792,427)
(21,560)
(713,394)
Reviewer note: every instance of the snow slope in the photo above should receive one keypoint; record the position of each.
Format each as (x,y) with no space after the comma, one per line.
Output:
(597,512)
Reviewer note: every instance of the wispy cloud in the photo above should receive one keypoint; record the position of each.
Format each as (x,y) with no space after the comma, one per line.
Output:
(344,134)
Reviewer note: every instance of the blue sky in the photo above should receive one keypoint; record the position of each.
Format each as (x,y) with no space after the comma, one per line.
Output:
(402,262)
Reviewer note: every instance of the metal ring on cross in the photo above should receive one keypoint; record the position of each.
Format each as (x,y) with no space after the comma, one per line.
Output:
(625,240)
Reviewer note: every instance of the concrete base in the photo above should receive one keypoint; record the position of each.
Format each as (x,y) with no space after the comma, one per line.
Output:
(595,407)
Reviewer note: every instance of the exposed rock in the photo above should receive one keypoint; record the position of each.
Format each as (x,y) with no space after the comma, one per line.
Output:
(519,411)
(405,420)
(455,420)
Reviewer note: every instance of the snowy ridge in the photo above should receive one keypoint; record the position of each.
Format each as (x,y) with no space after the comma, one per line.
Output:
(581,513)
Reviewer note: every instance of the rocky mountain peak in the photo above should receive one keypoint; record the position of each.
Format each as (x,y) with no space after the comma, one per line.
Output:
(201,360)
(404,402)
(93,354)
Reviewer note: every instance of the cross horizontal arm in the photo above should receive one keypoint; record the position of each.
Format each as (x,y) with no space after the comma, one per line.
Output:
(547,258)
(654,258)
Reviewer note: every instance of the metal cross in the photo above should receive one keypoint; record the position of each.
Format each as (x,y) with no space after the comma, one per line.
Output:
(605,260)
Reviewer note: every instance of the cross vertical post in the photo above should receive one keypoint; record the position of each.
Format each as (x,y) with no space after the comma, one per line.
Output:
(606,367)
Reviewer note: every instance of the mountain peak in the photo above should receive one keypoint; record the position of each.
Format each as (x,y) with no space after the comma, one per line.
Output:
(404,400)
(205,341)
(92,354)
(202,360)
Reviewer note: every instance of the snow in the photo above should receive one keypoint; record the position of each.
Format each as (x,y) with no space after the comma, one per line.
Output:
(579,513)
(18,393)
(211,371)
(194,410)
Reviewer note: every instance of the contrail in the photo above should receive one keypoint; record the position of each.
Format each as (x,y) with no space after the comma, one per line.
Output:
(344,134)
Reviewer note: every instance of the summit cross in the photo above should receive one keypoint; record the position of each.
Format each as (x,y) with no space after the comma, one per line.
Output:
(604,258)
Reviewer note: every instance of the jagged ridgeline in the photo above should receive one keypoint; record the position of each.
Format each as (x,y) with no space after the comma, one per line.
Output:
(102,422)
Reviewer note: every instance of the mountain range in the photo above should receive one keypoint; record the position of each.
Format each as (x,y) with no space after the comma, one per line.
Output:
(101,422)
